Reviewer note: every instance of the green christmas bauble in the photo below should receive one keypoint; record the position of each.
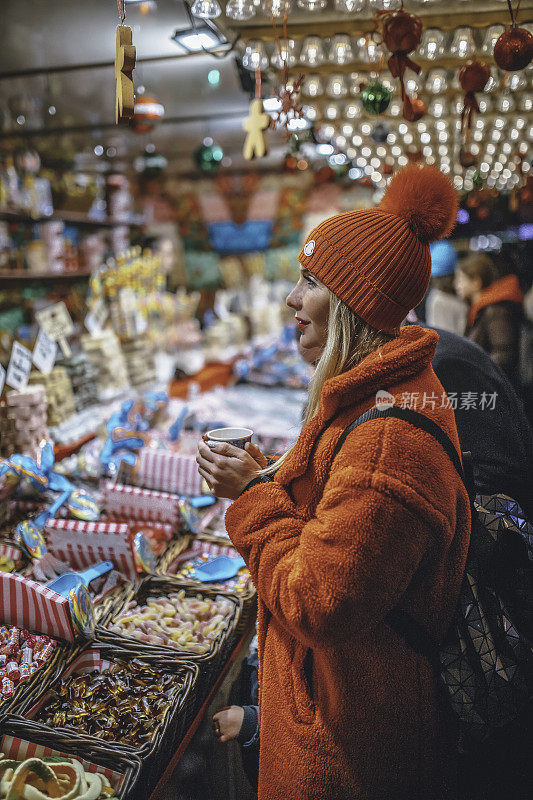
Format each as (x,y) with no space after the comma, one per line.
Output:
(375,98)
(207,157)
(477,180)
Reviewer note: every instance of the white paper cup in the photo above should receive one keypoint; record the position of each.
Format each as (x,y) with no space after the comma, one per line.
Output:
(238,437)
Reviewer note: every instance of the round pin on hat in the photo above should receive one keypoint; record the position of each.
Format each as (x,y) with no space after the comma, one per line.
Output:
(309,248)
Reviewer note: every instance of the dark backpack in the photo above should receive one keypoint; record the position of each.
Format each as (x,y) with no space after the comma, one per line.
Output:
(485,664)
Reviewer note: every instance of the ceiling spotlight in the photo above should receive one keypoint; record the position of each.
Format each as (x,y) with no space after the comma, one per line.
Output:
(200,37)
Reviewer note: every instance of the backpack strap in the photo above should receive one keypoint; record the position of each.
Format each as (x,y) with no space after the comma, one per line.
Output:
(414,634)
(413,418)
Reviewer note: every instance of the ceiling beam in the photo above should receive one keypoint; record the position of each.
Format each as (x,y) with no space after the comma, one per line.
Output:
(105,126)
(59,68)
(447,63)
(355,26)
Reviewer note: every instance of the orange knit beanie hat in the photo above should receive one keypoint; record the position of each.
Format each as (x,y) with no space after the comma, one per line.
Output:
(377,260)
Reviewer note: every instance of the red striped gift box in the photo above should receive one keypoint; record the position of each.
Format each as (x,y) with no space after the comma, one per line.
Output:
(146,505)
(83,544)
(21,749)
(168,471)
(9,551)
(31,605)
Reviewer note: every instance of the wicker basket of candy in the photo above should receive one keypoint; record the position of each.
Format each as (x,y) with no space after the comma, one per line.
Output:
(63,765)
(133,705)
(162,617)
(170,553)
(182,564)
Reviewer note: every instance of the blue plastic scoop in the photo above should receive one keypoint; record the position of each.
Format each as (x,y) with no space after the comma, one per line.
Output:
(70,580)
(221,568)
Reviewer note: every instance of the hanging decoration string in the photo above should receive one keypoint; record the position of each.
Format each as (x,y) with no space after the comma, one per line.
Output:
(288,97)
(258,84)
(514,14)
(283,57)
(121,4)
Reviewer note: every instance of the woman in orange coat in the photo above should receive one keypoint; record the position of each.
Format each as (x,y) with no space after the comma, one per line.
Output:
(347,710)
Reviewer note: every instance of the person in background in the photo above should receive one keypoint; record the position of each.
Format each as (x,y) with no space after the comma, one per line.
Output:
(496,311)
(443,308)
(491,421)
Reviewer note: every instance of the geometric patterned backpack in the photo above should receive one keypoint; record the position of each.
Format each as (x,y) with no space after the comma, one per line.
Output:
(486,661)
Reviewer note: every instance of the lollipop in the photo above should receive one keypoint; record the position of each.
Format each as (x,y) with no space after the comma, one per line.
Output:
(82,506)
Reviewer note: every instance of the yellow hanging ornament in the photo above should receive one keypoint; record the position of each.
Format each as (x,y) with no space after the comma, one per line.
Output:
(124,66)
(255,144)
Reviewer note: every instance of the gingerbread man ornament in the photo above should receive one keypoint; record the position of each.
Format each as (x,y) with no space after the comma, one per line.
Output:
(255,144)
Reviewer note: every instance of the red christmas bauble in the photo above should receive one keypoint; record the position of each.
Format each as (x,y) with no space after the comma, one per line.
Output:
(474,76)
(514,49)
(467,159)
(402,31)
(413,108)
(324,174)
(147,112)
(483,212)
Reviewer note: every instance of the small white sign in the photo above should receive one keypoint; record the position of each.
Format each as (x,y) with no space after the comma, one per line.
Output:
(19,367)
(56,321)
(95,319)
(2,378)
(44,353)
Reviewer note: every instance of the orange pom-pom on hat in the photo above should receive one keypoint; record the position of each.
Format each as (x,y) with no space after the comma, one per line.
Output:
(377,260)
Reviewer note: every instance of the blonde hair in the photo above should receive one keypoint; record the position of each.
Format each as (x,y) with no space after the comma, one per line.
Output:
(350,339)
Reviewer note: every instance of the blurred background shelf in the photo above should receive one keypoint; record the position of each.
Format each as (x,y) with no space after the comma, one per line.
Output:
(43,276)
(74,218)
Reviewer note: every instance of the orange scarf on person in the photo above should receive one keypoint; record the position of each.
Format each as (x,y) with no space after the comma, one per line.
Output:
(506,288)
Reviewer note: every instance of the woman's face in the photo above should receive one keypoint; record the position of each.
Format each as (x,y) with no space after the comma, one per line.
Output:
(310,301)
(466,287)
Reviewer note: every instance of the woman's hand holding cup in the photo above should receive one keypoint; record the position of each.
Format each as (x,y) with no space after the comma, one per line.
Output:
(229,461)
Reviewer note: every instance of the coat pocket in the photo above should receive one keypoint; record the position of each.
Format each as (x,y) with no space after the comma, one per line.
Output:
(301,685)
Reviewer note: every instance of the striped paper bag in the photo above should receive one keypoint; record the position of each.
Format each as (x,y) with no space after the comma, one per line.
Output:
(168,471)
(83,544)
(31,605)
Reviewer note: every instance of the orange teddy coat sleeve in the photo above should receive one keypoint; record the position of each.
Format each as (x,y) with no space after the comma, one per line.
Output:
(325,578)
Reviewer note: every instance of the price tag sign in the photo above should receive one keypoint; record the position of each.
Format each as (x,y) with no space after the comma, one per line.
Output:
(56,322)
(44,352)
(95,319)
(141,323)
(19,367)
(128,300)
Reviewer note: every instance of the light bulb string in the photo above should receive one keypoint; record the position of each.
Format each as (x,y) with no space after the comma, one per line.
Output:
(121,5)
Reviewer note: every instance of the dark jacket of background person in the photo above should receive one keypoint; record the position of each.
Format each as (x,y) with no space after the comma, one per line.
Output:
(500,439)
(494,323)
